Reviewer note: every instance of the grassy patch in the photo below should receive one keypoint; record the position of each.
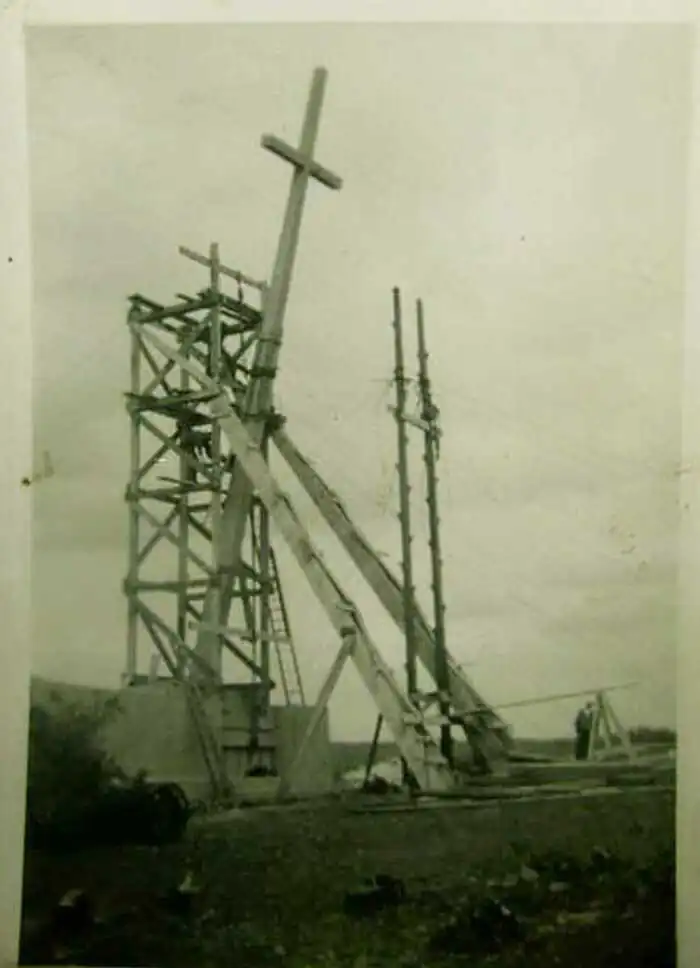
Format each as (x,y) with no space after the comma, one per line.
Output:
(272,887)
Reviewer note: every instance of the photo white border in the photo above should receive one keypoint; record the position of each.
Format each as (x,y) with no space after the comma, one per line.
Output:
(16,357)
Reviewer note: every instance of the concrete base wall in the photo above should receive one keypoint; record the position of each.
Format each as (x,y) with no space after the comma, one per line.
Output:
(153,731)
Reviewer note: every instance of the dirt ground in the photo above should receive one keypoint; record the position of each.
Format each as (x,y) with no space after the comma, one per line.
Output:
(272,885)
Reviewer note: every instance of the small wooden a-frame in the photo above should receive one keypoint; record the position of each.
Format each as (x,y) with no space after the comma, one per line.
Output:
(608,734)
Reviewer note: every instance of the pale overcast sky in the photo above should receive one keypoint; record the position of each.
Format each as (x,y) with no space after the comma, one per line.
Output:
(527,182)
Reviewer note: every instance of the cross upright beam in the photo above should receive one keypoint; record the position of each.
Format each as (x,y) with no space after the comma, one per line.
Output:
(258,398)
(305,167)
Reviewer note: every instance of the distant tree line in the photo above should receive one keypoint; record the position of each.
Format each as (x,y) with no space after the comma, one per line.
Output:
(653,734)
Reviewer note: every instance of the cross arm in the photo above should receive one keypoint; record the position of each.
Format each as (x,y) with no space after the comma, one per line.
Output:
(224,270)
(300,160)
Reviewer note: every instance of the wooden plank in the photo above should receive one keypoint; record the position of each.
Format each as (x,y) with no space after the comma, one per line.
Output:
(554,697)
(223,269)
(178,311)
(164,586)
(133,538)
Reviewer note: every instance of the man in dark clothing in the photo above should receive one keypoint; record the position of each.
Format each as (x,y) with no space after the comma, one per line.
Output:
(583,725)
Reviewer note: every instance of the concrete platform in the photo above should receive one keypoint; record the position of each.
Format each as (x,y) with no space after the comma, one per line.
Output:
(153,731)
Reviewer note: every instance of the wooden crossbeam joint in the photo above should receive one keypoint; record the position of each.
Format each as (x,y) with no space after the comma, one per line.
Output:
(159,313)
(301,161)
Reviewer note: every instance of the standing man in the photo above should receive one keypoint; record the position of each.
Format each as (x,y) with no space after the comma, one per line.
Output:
(583,725)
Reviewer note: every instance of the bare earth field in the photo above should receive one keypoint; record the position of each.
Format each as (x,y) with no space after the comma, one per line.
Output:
(272,883)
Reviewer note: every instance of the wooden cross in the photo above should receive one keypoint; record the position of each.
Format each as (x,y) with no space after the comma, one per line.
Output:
(301,157)
(209,261)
